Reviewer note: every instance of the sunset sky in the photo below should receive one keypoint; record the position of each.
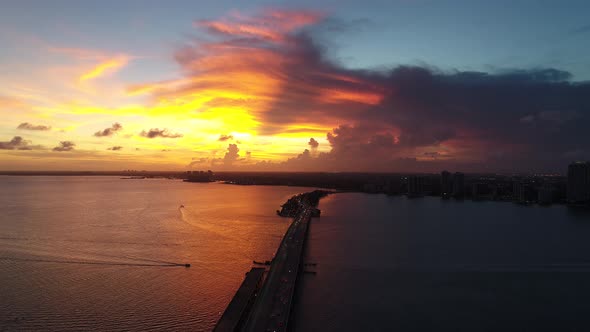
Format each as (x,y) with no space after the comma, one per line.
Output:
(406,85)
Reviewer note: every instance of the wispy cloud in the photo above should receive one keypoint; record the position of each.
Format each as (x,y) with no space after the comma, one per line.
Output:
(270,24)
(30,126)
(105,67)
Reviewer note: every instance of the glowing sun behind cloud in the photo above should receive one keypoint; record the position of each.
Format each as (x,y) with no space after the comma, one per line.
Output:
(250,91)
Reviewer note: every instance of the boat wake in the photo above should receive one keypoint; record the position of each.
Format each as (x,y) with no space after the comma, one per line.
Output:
(60,252)
(40,260)
(187,216)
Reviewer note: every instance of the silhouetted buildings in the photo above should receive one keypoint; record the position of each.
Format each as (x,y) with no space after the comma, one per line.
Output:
(479,191)
(458,185)
(199,176)
(415,186)
(578,182)
(545,194)
(379,185)
(524,193)
(446,184)
(452,185)
(543,189)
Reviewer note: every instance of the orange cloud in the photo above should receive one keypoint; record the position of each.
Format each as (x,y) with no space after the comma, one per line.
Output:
(105,67)
(271,24)
(267,69)
(339,96)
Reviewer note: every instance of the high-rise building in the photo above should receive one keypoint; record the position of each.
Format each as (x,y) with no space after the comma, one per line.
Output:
(479,190)
(523,192)
(516,189)
(458,184)
(446,184)
(578,182)
(415,186)
(545,194)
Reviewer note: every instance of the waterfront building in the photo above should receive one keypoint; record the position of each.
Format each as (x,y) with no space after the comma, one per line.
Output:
(394,186)
(458,184)
(446,184)
(578,182)
(479,190)
(545,194)
(370,188)
(415,186)
(517,183)
(523,192)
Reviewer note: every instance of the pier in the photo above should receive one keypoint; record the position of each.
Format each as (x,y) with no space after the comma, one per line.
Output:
(272,305)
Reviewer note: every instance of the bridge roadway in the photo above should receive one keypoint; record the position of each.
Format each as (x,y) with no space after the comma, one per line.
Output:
(238,307)
(273,303)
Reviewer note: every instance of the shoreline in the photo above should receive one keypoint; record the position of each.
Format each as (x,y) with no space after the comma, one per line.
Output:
(341,182)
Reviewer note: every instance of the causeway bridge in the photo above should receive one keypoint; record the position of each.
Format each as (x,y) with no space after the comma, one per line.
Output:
(267,307)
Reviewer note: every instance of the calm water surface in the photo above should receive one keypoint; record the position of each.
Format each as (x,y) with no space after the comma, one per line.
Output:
(80,253)
(393,264)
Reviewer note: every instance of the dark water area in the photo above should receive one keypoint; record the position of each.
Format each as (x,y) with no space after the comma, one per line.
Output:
(397,264)
(97,253)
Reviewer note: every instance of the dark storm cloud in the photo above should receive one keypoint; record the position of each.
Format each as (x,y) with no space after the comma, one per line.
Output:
(531,118)
(536,112)
(30,126)
(109,131)
(17,143)
(65,146)
(223,138)
(155,132)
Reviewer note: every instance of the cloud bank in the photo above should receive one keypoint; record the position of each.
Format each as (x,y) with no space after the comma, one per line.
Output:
(268,79)
(402,118)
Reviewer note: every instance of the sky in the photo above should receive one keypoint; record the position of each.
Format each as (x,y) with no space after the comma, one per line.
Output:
(383,86)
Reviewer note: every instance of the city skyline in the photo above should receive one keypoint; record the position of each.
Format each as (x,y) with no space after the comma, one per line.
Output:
(416,86)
